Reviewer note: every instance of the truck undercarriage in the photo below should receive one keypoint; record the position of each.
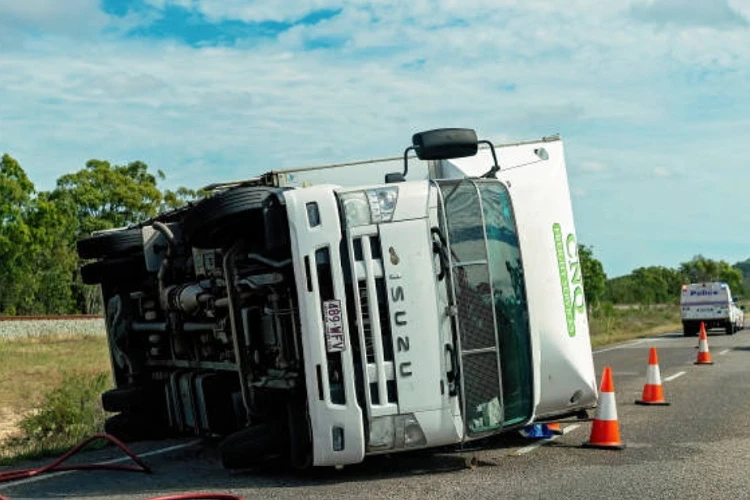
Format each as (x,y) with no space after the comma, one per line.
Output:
(175,290)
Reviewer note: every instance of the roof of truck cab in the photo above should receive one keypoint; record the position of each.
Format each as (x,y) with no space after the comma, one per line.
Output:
(550,138)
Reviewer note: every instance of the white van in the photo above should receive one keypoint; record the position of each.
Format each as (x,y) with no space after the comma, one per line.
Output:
(712,304)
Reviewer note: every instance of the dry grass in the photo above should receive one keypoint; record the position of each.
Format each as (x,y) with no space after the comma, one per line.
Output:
(31,367)
(611,324)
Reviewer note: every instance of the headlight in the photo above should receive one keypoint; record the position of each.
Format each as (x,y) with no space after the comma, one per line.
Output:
(356,209)
(372,206)
(400,431)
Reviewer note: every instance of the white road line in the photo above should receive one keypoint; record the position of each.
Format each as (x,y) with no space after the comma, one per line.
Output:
(114,461)
(536,445)
(672,377)
(724,352)
(621,346)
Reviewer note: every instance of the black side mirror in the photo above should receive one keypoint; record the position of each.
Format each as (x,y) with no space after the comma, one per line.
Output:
(445,144)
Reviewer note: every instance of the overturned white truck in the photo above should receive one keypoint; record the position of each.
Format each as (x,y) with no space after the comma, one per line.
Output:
(330,313)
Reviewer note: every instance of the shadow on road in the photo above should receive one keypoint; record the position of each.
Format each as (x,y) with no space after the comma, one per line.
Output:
(415,463)
(199,468)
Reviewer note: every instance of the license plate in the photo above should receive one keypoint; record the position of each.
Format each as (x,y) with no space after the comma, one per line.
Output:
(334,328)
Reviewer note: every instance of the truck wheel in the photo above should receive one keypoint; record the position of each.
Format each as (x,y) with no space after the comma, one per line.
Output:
(252,446)
(116,242)
(729,328)
(128,269)
(218,221)
(128,427)
(126,399)
(300,441)
(688,329)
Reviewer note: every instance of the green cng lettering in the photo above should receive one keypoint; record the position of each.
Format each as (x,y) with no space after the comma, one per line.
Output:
(571,281)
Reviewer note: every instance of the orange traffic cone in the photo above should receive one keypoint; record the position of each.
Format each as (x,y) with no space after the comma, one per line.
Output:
(704,356)
(554,428)
(653,393)
(605,433)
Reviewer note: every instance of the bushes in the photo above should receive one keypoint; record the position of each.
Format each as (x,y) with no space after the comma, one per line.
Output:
(68,414)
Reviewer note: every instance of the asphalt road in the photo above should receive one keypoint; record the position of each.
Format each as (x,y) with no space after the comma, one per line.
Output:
(696,448)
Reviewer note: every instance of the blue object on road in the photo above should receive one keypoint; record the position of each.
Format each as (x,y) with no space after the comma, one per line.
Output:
(536,431)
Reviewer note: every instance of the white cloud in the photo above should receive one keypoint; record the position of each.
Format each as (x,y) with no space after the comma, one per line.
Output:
(662,172)
(626,92)
(70,17)
(716,13)
(592,166)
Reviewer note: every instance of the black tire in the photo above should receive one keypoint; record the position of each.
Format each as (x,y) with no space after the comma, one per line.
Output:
(688,329)
(114,243)
(253,446)
(729,328)
(218,221)
(123,399)
(129,427)
(123,269)
(300,441)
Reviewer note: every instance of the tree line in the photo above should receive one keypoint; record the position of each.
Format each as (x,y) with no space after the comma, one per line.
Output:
(39,229)
(39,266)
(659,284)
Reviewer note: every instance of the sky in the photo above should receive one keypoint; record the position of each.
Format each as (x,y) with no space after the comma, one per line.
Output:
(651,97)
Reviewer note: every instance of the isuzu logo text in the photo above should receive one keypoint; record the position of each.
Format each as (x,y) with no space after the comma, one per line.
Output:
(400,320)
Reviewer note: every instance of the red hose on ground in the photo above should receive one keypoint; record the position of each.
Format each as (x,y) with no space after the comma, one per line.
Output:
(56,466)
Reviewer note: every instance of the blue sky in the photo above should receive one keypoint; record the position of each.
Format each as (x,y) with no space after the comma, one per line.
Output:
(650,97)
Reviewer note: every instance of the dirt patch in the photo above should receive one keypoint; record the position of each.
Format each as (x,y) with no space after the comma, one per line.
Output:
(8,423)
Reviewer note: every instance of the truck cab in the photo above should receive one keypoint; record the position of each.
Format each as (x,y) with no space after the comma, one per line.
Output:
(328,313)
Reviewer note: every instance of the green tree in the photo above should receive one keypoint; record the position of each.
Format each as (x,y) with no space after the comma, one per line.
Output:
(179,198)
(53,255)
(700,269)
(656,284)
(594,277)
(37,259)
(620,290)
(107,196)
(744,268)
(16,191)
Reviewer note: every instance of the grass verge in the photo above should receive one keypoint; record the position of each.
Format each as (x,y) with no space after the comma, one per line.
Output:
(609,324)
(51,396)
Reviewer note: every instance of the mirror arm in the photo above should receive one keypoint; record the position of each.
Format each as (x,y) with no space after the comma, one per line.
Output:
(406,159)
(490,174)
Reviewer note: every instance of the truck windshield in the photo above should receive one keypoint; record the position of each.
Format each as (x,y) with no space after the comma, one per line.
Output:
(490,297)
